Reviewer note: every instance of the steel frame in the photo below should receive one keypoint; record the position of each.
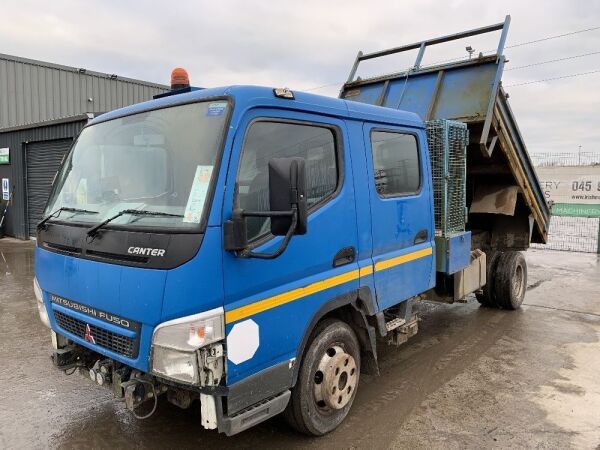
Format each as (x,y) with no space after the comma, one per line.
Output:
(486,148)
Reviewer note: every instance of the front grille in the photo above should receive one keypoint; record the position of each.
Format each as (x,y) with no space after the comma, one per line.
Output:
(107,339)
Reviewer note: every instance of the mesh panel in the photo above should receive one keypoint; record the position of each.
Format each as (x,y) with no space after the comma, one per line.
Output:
(447,142)
(575,234)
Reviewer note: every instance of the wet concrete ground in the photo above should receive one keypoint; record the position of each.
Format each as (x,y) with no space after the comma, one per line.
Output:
(472,378)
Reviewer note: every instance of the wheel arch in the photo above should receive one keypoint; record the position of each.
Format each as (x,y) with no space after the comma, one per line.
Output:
(357,309)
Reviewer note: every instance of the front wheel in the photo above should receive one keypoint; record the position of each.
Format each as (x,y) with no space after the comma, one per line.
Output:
(327,380)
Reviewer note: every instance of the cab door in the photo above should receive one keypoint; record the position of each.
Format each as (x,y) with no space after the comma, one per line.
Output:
(402,213)
(269,304)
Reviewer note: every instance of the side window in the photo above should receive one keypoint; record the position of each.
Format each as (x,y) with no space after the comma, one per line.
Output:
(395,163)
(266,140)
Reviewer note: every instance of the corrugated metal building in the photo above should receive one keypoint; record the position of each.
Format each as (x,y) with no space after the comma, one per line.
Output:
(35,91)
(43,107)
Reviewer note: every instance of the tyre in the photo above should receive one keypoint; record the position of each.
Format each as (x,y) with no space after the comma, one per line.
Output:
(510,281)
(487,296)
(327,380)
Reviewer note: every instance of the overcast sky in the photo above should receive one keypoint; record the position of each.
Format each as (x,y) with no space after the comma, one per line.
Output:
(308,44)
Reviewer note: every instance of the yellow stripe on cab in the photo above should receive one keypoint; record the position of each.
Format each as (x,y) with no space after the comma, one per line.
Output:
(389,263)
(295,294)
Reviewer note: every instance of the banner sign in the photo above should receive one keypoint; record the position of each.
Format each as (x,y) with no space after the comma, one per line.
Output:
(4,155)
(578,185)
(575,210)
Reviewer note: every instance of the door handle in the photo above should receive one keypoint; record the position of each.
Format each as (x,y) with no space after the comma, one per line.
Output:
(345,256)
(421,237)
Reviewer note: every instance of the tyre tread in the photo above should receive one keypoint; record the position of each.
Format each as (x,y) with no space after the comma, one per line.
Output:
(506,267)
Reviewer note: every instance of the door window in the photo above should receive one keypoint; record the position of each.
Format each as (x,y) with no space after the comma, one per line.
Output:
(266,140)
(395,163)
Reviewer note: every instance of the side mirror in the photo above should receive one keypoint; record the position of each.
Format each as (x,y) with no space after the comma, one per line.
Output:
(288,211)
(287,192)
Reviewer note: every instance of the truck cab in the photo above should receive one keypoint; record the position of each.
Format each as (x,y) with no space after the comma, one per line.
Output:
(138,265)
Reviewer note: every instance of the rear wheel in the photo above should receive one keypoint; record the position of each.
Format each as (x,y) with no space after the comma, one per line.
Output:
(510,281)
(327,380)
(487,295)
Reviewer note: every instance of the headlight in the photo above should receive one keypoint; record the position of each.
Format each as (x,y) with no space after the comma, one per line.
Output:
(40,303)
(175,342)
(191,332)
(181,366)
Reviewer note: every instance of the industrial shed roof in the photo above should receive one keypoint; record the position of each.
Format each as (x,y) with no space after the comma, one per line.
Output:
(34,91)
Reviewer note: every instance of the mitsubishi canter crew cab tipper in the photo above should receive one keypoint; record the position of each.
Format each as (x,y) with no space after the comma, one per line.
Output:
(250,247)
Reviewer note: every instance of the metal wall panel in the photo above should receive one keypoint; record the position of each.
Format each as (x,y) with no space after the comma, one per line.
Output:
(35,91)
(16,140)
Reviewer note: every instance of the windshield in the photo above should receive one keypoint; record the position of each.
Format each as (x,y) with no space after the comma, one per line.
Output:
(160,161)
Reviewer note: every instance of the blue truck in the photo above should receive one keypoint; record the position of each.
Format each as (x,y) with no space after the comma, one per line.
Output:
(249,247)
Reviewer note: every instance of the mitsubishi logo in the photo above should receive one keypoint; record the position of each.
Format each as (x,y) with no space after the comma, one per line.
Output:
(88,335)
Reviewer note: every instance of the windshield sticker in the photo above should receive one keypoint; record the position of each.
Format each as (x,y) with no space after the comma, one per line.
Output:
(195,203)
(81,192)
(216,109)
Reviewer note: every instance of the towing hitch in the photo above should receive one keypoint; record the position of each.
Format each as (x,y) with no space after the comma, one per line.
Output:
(133,386)
(138,391)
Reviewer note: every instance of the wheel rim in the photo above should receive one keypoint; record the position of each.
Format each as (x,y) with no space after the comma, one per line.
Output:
(518,282)
(335,379)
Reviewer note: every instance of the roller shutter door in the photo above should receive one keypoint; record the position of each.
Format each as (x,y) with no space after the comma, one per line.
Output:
(43,161)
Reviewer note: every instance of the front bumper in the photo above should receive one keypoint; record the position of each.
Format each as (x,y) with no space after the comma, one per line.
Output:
(138,388)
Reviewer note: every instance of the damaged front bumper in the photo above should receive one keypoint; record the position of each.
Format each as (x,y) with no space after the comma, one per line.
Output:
(140,391)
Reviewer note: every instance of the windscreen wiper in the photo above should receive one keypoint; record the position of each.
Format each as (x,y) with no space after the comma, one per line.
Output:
(65,209)
(134,212)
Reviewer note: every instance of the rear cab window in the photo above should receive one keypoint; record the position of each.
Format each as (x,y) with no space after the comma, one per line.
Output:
(396,167)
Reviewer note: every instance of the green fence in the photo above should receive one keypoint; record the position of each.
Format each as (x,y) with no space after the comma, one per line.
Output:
(574,227)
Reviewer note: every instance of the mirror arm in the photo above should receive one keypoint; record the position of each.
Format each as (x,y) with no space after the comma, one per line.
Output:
(286,238)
